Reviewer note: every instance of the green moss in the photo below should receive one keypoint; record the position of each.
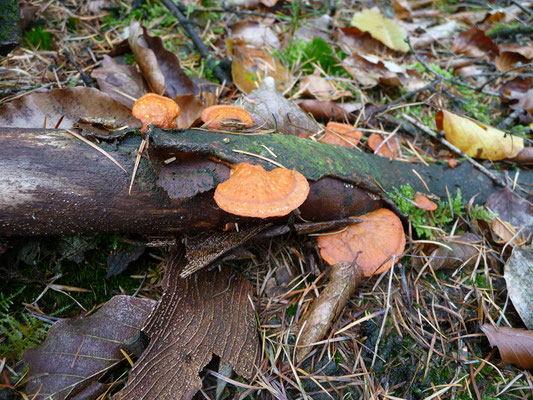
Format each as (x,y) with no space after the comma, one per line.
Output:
(40,38)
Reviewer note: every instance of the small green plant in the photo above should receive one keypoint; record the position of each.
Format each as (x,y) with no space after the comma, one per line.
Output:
(40,38)
(21,332)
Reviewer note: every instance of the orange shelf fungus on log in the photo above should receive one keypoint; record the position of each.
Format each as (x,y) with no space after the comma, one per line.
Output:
(422,202)
(341,135)
(157,110)
(390,149)
(215,117)
(377,238)
(253,192)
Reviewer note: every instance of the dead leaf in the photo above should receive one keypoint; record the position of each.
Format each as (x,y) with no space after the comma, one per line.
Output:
(160,67)
(255,34)
(329,110)
(402,8)
(387,31)
(474,43)
(118,262)
(515,345)
(270,110)
(77,352)
(462,250)
(514,213)
(355,41)
(512,54)
(251,65)
(477,139)
(520,90)
(191,110)
(434,34)
(122,82)
(32,110)
(320,88)
(518,274)
(205,314)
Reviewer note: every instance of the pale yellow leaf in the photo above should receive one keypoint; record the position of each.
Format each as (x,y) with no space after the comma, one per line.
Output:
(387,31)
(476,139)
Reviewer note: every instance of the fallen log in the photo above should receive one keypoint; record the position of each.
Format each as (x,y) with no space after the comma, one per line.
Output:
(54,184)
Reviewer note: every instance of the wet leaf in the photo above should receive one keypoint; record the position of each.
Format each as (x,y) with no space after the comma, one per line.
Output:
(387,31)
(205,314)
(270,110)
(122,82)
(251,65)
(515,345)
(518,274)
(477,139)
(160,67)
(31,110)
(514,213)
(77,352)
(474,43)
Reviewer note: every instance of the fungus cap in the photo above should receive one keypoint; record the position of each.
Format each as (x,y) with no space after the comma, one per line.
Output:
(341,135)
(157,110)
(422,202)
(253,192)
(389,149)
(214,116)
(378,237)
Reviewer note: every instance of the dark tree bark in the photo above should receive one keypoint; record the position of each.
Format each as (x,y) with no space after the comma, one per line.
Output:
(53,184)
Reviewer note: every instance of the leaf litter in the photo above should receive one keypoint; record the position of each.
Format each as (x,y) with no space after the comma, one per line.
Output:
(418,316)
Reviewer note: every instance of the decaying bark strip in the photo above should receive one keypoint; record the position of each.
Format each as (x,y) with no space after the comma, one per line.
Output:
(53,184)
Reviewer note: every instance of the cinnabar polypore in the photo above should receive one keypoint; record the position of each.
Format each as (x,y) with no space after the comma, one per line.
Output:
(341,135)
(253,192)
(389,149)
(215,117)
(424,203)
(157,110)
(377,238)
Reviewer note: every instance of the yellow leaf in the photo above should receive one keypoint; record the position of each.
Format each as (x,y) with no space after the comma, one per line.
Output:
(387,31)
(476,139)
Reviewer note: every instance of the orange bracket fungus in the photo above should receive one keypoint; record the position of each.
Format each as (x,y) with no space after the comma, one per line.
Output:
(361,250)
(424,203)
(157,110)
(218,117)
(253,192)
(377,238)
(389,149)
(341,135)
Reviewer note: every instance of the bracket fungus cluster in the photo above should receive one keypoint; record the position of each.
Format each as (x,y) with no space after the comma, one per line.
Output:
(341,135)
(158,110)
(220,116)
(253,192)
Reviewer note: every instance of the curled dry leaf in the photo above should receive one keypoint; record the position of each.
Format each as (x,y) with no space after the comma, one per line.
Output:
(511,54)
(515,345)
(387,31)
(251,65)
(514,214)
(32,110)
(328,110)
(341,135)
(196,317)
(477,139)
(270,110)
(320,88)
(518,274)
(377,238)
(122,82)
(390,149)
(78,352)
(160,67)
(191,110)
(474,43)
(253,192)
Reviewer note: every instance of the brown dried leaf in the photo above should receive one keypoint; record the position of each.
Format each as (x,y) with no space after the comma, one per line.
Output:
(77,352)
(270,110)
(328,110)
(31,110)
(514,210)
(251,65)
(359,42)
(320,88)
(463,250)
(515,345)
(205,314)
(520,90)
(474,43)
(511,54)
(434,34)
(402,8)
(191,110)
(160,67)
(122,82)
(255,34)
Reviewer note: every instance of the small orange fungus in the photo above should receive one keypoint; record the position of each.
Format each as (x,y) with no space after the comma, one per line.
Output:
(389,149)
(422,202)
(253,192)
(377,238)
(341,135)
(157,110)
(216,116)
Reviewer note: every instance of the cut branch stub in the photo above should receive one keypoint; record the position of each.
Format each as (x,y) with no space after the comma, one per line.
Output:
(253,192)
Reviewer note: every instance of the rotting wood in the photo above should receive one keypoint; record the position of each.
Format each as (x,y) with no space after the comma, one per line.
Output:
(53,184)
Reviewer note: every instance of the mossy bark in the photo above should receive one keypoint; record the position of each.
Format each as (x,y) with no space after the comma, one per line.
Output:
(10,34)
